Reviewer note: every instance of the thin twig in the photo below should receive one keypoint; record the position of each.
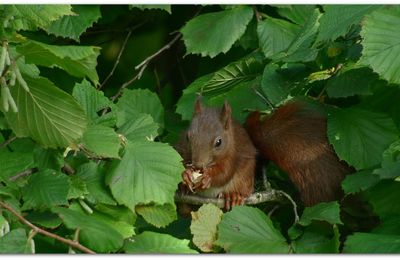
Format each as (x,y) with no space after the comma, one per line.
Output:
(24,173)
(143,65)
(296,216)
(118,59)
(44,232)
(7,142)
(266,100)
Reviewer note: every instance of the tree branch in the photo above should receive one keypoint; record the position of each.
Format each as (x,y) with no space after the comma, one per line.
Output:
(7,142)
(36,229)
(253,199)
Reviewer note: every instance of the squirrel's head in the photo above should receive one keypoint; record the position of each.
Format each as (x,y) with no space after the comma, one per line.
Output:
(210,134)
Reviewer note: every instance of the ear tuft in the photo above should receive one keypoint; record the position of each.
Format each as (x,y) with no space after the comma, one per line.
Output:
(226,115)
(197,105)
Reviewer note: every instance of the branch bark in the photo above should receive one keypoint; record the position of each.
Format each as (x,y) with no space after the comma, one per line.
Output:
(36,229)
(255,198)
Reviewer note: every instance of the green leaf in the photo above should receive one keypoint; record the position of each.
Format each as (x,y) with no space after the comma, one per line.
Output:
(14,242)
(93,102)
(137,101)
(38,15)
(48,158)
(275,35)
(139,128)
(78,61)
(157,215)
(329,212)
(47,114)
(166,8)
(72,26)
(95,234)
(388,226)
(316,241)
(45,219)
(275,85)
(124,228)
(156,243)
(93,176)
(13,163)
(213,33)
(296,13)
(301,49)
(144,165)
(351,82)
(102,140)
(231,75)
(249,230)
(384,198)
(391,162)
(338,19)
(365,243)
(185,105)
(359,181)
(381,42)
(359,137)
(204,226)
(45,189)
(77,187)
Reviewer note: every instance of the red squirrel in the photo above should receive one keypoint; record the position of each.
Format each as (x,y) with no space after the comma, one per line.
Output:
(219,148)
(294,138)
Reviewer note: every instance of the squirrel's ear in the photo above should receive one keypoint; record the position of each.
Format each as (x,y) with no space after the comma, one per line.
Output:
(197,105)
(226,115)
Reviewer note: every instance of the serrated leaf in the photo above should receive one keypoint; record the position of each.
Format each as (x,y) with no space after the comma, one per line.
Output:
(38,15)
(14,242)
(388,226)
(93,102)
(249,230)
(204,226)
(157,215)
(145,164)
(359,137)
(223,80)
(47,114)
(48,158)
(381,42)
(275,35)
(274,85)
(351,82)
(156,243)
(137,101)
(45,189)
(359,181)
(296,13)
(122,227)
(166,8)
(93,176)
(365,243)
(325,211)
(79,61)
(337,19)
(72,26)
(102,140)
(107,239)
(139,128)
(390,162)
(213,33)
(301,49)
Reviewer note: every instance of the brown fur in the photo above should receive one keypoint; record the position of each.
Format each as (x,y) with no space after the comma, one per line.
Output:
(231,167)
(294,138)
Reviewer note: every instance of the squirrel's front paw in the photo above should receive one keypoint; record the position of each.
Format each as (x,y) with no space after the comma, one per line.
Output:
(187,179)
(204,182)
(232,199)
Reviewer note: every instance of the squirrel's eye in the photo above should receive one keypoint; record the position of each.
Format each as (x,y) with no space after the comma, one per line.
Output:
(218,142)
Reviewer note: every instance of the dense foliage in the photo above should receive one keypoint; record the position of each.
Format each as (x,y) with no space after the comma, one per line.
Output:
(94,97)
